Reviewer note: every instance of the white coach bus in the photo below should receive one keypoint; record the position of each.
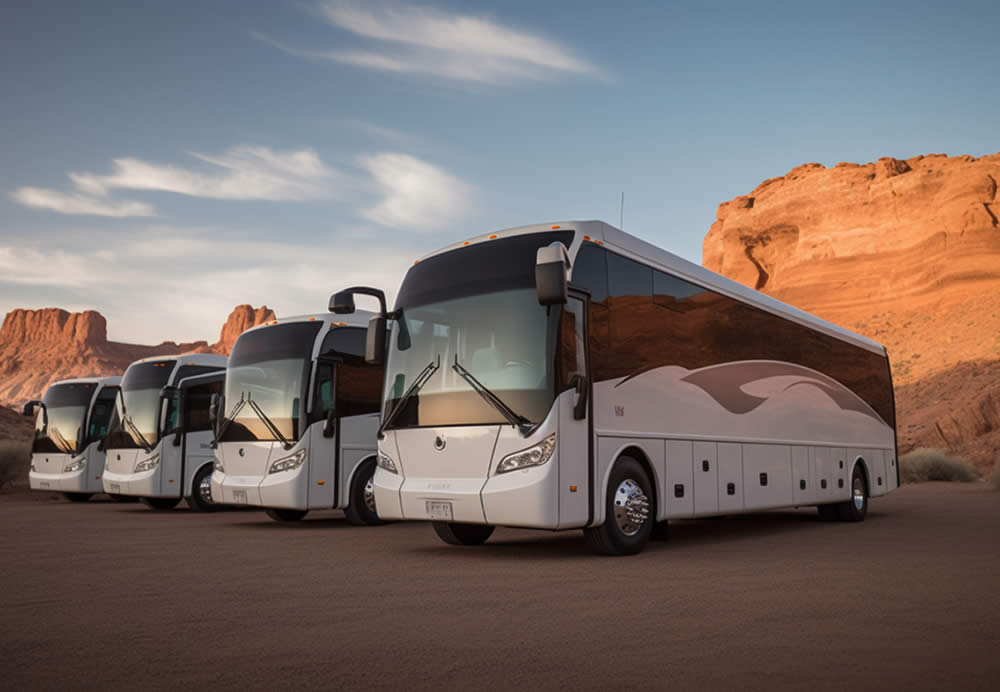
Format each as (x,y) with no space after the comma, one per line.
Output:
(71,420)
(301,414)
(149,456)
(573,376)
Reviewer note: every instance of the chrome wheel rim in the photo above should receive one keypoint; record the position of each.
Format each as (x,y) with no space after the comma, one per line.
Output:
(859,494)
(205,489)
(631,507)
(369,493)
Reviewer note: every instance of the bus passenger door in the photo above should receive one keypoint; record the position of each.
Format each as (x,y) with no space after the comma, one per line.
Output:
(323,438)
(170,445)
(575,433)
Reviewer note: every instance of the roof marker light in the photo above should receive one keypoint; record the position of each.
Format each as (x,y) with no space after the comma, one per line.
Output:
(586,237)
(465,243)
(493,237)
(554,228)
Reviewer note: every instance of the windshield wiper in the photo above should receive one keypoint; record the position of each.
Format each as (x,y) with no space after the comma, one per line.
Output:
(515,418)
(419,382)
(127,419)
(61,442)
(226,420)
(269,423)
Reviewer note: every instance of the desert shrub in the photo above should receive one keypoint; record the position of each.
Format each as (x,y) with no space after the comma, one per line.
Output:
(15,456)
(925,464)
(995,475)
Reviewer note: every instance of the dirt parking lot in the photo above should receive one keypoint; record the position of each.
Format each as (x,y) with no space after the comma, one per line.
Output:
(107,595)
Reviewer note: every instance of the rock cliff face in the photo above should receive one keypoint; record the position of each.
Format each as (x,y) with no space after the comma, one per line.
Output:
(38,347)
(905,252)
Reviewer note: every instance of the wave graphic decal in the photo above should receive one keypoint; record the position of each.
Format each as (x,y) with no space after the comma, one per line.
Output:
(726,384)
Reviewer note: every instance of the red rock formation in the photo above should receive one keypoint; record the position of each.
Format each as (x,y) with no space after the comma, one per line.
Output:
(242,318)
(905,252)
(38,347)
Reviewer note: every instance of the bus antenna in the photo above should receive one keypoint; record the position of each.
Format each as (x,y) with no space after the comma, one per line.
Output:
(621,212)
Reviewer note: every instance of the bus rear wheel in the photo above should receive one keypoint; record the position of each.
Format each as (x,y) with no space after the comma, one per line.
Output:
(854,509)
(630,512)
(77,497)
(287,515)
(462,534)
(201,491)
(161,503)
(361,501)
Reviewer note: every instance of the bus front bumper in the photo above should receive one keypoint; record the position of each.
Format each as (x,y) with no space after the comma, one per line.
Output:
(72,482)
(142,484)
(283,490)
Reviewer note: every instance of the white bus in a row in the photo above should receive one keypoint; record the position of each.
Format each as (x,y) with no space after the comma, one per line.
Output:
(71,421)
(159,443)
(300,414)
(571,375)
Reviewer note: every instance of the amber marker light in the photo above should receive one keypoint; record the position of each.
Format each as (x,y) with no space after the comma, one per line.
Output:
(465,243)
(320,482)
(493,237)
(572,488)
(555,228)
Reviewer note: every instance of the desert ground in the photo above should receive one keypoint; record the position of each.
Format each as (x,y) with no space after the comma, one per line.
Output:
(118,596)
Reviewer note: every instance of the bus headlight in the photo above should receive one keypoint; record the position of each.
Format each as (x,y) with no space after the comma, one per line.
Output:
(386,462)
(218,466)
(535,455)
(147,464)
(289,463)
(74,465)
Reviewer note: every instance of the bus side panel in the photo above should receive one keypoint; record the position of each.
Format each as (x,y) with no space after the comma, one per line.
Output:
(730,477)
(876,470)
(767,476)
(679,491)
(357,443)
(706,478)
(889,461)
(825,475)
(320,461)
(802,479)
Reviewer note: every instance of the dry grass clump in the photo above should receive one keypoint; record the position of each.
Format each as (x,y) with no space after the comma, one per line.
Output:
(14,459)
(926,464)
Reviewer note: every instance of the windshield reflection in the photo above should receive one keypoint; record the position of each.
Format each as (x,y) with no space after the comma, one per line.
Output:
(59,423)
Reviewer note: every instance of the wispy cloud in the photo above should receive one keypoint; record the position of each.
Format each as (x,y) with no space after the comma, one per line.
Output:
(415,194)
(75,203)
(247,173)
(406,38)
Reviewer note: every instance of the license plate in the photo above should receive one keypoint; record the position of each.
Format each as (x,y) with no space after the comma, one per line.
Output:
(439,510)
(240,497)
(116,488)
(43,484)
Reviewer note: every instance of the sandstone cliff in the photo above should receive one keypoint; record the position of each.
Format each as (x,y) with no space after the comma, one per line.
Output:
(905,252)
(38,347)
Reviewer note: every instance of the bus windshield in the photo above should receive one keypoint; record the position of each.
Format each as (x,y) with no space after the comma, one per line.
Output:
(477,307)
(58,425)
(271,367)
(136,419)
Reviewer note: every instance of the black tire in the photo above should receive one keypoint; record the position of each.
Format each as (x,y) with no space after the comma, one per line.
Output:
(850,510)
(77,497)
(361,500)
(161,503)
(287,515)
(198,501)
(621,534)
(115,497)
(462,534)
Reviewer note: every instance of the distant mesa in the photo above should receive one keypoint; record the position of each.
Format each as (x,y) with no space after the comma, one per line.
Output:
(906,252)
(38,347)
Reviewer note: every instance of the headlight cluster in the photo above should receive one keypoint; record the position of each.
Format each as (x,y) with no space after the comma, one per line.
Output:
(33,466)
(218,465)
(75,465)
(535,455)
(147,464)
(386,462)
(289,463)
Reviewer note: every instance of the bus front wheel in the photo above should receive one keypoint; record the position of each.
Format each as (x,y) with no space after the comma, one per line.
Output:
(201,491)
(630,512)
(462,534)
(361,501)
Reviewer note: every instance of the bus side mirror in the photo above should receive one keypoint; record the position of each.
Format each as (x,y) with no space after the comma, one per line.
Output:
(375,340)
(342,303)
(551,268)
(29,408)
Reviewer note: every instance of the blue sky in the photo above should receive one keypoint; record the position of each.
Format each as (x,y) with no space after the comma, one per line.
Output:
(163,162)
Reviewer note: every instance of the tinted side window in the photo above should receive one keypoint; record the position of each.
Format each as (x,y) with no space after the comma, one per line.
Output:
(345,341)
(197,399)
(359,389)
(628,278)
(100,414)
(674,293)
(590,271)
(633,318)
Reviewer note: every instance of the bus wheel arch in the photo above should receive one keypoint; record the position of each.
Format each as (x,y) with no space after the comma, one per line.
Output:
(629,500)
(360,509)
(200,499)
